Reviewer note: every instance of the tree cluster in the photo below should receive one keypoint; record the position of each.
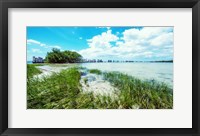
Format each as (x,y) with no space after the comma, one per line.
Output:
(57,56)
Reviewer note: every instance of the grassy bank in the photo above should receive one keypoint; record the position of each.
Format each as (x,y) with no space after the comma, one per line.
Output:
(142,94)
(60,90)
(32,70)
(50,64)
(63,90)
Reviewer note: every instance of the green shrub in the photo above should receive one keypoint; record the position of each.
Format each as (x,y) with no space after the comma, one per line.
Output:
(57,56)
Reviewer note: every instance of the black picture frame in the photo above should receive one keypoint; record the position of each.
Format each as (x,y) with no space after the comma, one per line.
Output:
(6,4)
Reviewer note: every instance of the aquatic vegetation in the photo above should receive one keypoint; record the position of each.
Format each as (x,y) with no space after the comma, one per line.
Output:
(85,80)
(147,94)
(58,65)
(38,64)
(32,70)
(63,90)
(95,71)
(57,91)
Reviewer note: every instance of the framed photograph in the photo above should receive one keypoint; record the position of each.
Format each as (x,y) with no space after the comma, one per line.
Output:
(104,67)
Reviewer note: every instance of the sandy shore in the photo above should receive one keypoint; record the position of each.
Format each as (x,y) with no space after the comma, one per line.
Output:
(89,82)
(95,83)
(48,70)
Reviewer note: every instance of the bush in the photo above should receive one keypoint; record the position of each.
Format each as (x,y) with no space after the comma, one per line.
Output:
(57,56)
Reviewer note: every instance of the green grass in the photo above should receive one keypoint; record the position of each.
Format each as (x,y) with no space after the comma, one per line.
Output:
(95,71)
(63,91)
(32,70)
(51,64)
(143,94)
(58,65)
(38,64)
(57,91)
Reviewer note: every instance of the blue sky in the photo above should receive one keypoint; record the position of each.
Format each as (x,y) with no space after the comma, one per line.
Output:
(115,43)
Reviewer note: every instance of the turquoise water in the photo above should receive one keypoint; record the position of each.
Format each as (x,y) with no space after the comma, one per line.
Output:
(29,62)
(163,72)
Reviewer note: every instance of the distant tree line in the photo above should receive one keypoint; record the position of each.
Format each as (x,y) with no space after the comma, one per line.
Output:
(57,56)
(122,61)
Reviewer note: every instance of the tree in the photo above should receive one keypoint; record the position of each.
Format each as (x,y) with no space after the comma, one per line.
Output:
(72,57)
(57,56)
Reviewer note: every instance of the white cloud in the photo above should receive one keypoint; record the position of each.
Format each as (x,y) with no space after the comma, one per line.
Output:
(149,42)
(104,27)
(36,51)
(108,28)
(31,41)
(35,42)
(163,39)
(103,40)
(146,33)
(43,45)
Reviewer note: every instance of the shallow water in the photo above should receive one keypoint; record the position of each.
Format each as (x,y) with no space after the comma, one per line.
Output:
(163,72)
(48,70)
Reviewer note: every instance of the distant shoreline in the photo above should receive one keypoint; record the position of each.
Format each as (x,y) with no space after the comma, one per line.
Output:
(30,62)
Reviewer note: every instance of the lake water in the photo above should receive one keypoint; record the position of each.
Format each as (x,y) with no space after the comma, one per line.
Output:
(162,72)
(29,62)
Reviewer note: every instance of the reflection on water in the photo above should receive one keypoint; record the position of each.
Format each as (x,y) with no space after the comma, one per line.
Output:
(162,72)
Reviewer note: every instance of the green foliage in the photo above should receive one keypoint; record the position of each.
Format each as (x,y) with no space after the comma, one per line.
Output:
(142,94)
(57,56)
(64,91)
(95,71)
(32,70)
(72,57)
(57,91)
(38,64)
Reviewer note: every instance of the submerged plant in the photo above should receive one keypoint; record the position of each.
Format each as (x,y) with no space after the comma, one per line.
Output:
(95,71)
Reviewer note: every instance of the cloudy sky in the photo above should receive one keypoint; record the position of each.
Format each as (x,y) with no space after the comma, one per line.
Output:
(115,43)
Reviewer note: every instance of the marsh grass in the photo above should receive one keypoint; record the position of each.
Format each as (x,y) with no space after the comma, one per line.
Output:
(64,91)
(95,71)
(148,94)
(51,64)
(57,91)
(38,64)
(32,70)
(59,65)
